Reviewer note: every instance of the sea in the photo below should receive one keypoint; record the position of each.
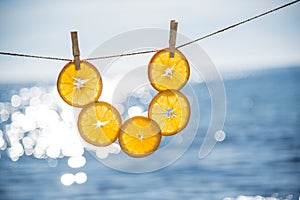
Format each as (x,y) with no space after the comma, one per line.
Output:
(258,157)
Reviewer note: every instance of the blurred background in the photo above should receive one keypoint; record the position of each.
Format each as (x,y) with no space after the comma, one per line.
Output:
(258,151)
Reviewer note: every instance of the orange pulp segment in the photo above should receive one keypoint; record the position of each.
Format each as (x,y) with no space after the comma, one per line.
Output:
(168,73)
(139,136)
(171,110)
(99,123)
(79,87)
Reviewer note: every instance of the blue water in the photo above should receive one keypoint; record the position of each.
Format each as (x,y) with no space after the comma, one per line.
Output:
(260,155)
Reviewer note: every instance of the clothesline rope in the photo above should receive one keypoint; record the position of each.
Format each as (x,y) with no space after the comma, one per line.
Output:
(153,51)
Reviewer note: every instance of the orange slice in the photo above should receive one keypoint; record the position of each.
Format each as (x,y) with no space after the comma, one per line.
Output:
(171,110)
(168,73)
(99,124)
(79,87)
(139,136)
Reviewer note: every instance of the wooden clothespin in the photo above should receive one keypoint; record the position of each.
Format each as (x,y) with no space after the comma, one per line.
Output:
(75,48)
(172,41)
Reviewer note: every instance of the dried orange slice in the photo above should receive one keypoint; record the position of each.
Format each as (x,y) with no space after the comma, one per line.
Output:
(171,110)
(79,87)
(168,73)
(99,123)
(139,136)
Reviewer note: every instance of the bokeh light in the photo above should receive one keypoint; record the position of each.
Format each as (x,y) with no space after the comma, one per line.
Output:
(275,196)
(80,177)
(220,136)
(36,122)
(67,179)
(76,161)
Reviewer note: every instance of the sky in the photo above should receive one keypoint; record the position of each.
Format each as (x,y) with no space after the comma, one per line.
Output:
(43,28)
